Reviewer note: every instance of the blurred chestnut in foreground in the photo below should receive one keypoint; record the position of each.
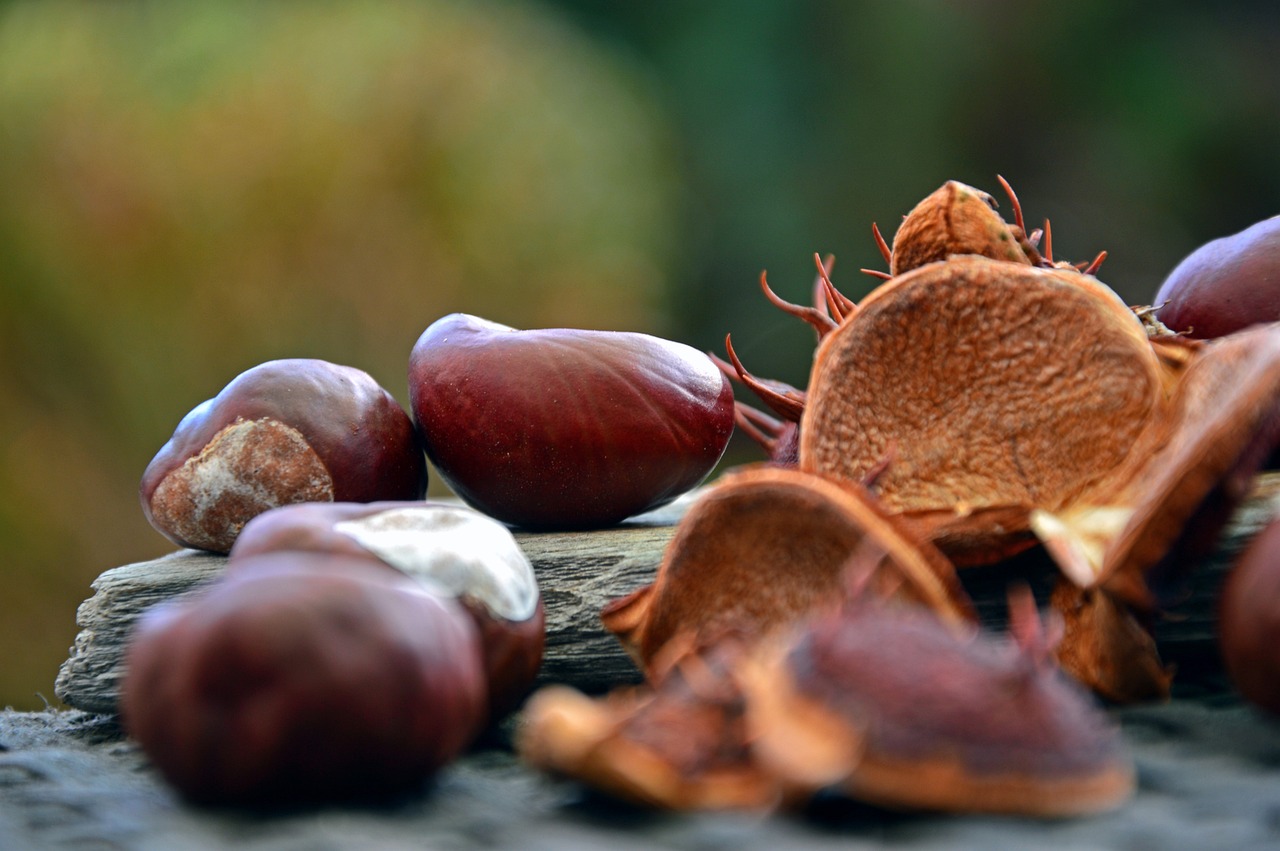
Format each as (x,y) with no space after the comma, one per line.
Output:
(1226,284)
(453,551)
(1249,620)
(303,678)
(285,431)
(564,428)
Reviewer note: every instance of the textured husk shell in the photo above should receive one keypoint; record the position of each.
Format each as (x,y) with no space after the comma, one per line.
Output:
(678,744)
(766,547)
(933,721)
(954,219)
(996,388)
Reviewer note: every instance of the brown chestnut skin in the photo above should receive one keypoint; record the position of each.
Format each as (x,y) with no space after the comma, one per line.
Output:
(565,428)
(1249,620)
(285,431)
(301,679)
(1225,285)
(512,639)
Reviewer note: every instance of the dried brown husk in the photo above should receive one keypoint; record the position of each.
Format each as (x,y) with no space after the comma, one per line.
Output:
(999,388)
(1127,546)
(679,743)
(1107,648)
(896,710)
(766,547)
(957,219)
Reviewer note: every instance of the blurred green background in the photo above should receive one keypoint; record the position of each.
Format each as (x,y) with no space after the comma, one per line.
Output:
(187,189)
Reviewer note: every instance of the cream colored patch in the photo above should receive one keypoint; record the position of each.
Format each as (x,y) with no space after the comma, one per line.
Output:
(249,467)
(1078,538)
(457,550)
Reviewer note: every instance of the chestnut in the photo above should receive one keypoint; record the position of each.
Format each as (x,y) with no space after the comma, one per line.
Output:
(564,428)
(1225,284)
(1249,620)
(303,678)
(454,551)
(285,431)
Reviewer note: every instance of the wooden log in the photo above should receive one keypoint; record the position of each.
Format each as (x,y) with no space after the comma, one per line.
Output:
(579,572)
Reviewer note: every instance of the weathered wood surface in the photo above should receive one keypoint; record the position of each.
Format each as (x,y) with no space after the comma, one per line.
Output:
(580,572)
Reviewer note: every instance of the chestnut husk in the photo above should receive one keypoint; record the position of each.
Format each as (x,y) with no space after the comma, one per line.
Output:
(455,551)
(285,431)
(303,678)
(565,428)
(996,388)
(766,547)
(892,708)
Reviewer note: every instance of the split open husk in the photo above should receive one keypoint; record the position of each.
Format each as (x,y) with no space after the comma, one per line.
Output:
(766,547)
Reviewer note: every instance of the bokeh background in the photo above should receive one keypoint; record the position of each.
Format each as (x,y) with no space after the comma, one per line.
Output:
(187,189)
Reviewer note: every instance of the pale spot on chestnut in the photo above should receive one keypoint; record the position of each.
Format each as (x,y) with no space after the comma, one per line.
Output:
(455,549)
(248,468)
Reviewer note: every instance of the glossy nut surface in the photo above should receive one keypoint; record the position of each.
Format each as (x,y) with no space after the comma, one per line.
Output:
(1249,621)
(562,428)
(1225,284)
(285,431)
(453,551)
(303,678)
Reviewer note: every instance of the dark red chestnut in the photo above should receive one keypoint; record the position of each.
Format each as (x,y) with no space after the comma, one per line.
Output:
(564,428)
(1249,620)
(454,551)
(285,431)
(303,678)
(1226,284)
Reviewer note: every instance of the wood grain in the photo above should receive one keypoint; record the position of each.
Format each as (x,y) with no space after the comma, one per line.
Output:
(579,572)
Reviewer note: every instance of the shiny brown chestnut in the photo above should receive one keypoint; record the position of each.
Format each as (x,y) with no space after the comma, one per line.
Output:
(285,431)
(565,428)
(1225,285)
(1249,621)
(453,551)
(303,678)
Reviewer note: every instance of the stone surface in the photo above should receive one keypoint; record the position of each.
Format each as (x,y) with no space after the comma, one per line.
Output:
(1208,769)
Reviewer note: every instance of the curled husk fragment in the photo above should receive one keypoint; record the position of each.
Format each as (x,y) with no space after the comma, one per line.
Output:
(778,434)
(885,703)
(679,742)
(1127,546)
(452,551)
(998,388)
(766,547)
(957,219)
(926,719)
(303,678)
